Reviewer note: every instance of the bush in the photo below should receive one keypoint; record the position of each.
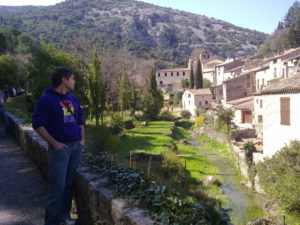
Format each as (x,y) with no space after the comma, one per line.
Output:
(185,123)
(116,123)
(199,122)
(279,176)
(249,149)
(128,124)
(200,112)
(185,114)
(167,116)
(172,163)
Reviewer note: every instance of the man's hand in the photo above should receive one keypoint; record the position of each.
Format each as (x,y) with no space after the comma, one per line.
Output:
(59,145)
(82,142)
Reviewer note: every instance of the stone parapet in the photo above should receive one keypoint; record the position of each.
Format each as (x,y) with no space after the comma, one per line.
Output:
(95,202)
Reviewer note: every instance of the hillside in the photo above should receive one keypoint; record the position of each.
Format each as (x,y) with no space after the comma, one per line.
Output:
(147,30)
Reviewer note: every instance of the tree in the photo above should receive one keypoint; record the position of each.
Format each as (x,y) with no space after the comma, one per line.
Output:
(96,89)
(133,99)
(192,79)
(124,91)
(44,60)
(8,71)
(226,116)
(3,44)
(184,84)
(206,83)
(25,44)
(198,76)
(152,99)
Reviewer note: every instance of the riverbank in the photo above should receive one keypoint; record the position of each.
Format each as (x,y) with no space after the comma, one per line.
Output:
(244,204)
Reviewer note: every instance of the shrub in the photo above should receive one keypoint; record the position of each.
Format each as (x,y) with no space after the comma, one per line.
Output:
(200,112)
(199,122)
(167,116)
(172,163)
(112,142)
(128,124)
(116,123)
(249,149)
(185,123)
(185,114)
(279,176)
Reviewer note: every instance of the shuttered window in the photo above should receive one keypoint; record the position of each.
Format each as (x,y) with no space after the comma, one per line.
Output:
(285,111)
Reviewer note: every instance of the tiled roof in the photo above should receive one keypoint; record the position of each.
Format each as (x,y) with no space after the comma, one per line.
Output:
(214,61)
(202,91)
(173,70)
(230,65)
(289,85)
(242,103)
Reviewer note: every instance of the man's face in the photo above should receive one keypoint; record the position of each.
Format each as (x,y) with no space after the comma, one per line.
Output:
(69,83)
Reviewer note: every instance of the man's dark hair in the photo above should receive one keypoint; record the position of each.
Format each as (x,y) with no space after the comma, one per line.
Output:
(59,73)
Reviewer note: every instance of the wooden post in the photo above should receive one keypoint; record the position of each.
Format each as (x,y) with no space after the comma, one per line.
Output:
(185,179)
(134,163)
(130,166)
(149,167)
(283,220)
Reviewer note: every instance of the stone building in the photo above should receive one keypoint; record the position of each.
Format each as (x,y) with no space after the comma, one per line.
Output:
(193,99)
(278,106)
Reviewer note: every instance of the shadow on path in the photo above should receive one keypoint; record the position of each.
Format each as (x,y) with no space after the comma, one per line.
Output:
(22,187)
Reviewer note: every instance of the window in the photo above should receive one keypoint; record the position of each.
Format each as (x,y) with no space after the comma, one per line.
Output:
(261,103)
(256,101)
(171,74)
(285,111)
(189,95)
(275,72)
(263,82)
(161,82)
(257,83)
(183,73)
(158,75)
(282,73)
(177,74)
(245,93)
(206,102)
(248,80)
(260,118)
(165,74)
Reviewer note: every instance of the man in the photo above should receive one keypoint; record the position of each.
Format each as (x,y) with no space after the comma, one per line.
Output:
(58,120)
(3,114)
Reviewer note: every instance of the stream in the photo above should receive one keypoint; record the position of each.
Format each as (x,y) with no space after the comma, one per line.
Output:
(244,204)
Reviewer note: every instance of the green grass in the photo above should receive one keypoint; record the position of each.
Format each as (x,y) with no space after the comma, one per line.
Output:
(152,139)
(211,145)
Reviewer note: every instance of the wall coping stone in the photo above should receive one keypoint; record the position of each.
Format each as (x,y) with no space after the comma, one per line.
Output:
(96,204)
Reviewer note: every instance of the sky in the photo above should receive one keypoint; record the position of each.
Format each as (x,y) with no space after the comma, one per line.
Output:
(260,15)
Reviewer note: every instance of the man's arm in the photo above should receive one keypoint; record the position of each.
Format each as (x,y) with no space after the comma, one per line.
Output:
(47,137)
(82,134)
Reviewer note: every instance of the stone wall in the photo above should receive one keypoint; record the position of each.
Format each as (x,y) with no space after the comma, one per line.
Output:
(95,203)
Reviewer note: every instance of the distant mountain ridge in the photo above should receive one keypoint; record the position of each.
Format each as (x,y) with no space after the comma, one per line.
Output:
(147,30)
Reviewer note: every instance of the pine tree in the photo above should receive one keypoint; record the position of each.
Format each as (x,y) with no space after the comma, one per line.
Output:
(199,76)
(192,79)
(124,91)
(152,99)
(96,89)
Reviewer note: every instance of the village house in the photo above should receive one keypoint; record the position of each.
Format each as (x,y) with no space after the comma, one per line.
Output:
(243,109)
(278,105)
(193,99)
(224,71)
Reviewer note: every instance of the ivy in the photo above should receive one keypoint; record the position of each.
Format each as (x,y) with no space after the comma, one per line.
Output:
(164,207)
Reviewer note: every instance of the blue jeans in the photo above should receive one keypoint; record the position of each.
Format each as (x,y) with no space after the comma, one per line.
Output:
(5,121)
(62,165)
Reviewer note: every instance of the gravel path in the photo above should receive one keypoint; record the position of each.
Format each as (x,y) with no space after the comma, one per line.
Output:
(22,187)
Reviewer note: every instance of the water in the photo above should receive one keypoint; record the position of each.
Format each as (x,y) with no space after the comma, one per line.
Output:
(244,204)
